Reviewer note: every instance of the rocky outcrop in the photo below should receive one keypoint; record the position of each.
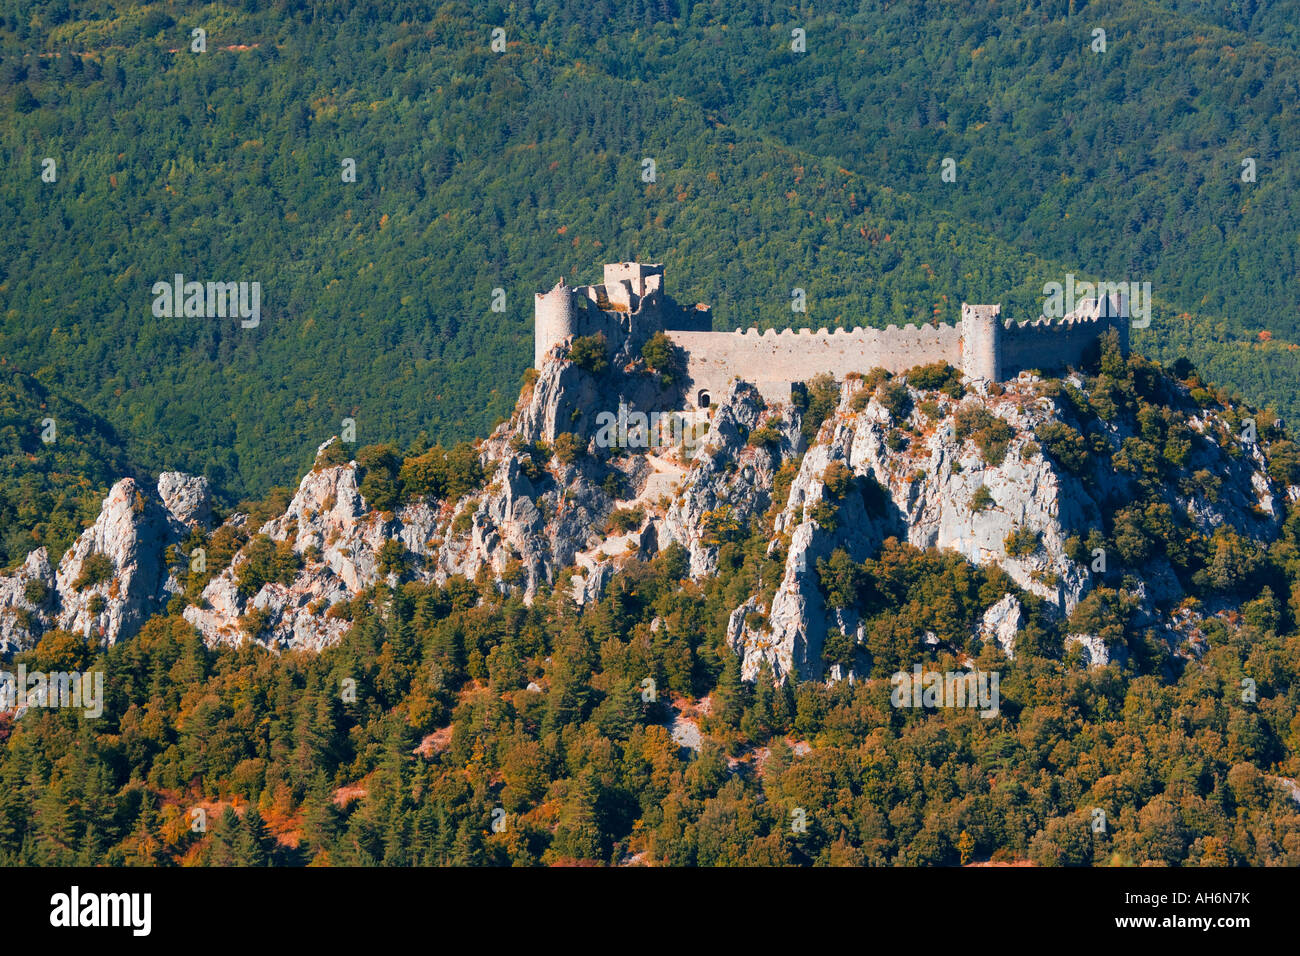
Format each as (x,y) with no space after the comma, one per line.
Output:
(1001,622)
(116,573)
(27,601)
(567,501)
(729,480)
(339,540)
(916,480)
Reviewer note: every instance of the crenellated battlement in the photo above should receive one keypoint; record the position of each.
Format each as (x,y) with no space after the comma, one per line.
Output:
(631,305)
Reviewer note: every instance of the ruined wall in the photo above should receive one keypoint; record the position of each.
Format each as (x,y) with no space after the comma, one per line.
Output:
(1051,345)
(773,360)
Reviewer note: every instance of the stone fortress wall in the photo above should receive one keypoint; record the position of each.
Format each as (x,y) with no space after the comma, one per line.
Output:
(630,306)
(774,360)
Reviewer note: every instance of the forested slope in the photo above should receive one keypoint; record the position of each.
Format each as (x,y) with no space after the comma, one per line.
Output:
(478,170)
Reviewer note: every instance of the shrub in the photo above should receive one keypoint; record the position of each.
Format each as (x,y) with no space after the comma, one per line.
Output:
(590,352)
(568,447)
(872,379)
(818,399)
(662,357)
(464,520)
(254,622)
(1021,543)
(990,433)
(95,569)
(825,514)
(614,484)
(938,376)
(380,484)
(36,592)
(1284,463)
(721,526)
(266,561)
(765,436)
(439,473)
(1066,446)
(837,479)
(982,500)
(842,580)
(392,557)
(894,398)
(623,520)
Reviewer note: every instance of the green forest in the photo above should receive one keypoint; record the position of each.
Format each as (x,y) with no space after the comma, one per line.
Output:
(455,724)
(478,170)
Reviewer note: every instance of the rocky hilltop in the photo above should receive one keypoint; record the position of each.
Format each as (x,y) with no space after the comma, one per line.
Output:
(1057,482)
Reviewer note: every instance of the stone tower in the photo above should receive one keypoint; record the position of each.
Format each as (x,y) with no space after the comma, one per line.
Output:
(555,318)
(981,341)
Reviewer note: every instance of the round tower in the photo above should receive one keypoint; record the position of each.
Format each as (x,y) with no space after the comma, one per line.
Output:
(555,320)
(981,341)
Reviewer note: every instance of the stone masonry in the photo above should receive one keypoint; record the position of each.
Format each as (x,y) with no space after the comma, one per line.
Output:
(631,305)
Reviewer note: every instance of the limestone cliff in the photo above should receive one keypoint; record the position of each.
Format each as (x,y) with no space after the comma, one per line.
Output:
(936,489)
(566,499)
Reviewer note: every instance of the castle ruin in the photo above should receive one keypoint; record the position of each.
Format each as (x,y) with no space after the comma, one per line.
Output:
(631,306)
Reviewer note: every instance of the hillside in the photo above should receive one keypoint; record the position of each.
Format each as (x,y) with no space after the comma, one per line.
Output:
(664,655)
(478,171)
(57,461)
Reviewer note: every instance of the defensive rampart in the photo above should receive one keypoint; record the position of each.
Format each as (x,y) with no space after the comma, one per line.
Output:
(773,360)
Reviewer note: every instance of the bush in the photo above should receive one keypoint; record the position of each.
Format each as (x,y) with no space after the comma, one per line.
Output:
(894,398)
(1021,543)
(380,481)
(614,484)
(590,352)
(818,399)
(392,557)
(661,356)
(623,520)
(1066,446)
(254,622)
(765,436)
(1284,463)
(837,480)
(35,592)
(95,569)
(568,448)
(990,433)
(825,514)
(938,376)
(266,561)
(439,473)
(982,500)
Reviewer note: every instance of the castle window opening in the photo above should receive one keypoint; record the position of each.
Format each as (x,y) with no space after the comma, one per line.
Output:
(702,400)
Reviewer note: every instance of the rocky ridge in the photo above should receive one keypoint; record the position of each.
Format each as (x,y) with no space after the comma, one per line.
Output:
(564,506)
